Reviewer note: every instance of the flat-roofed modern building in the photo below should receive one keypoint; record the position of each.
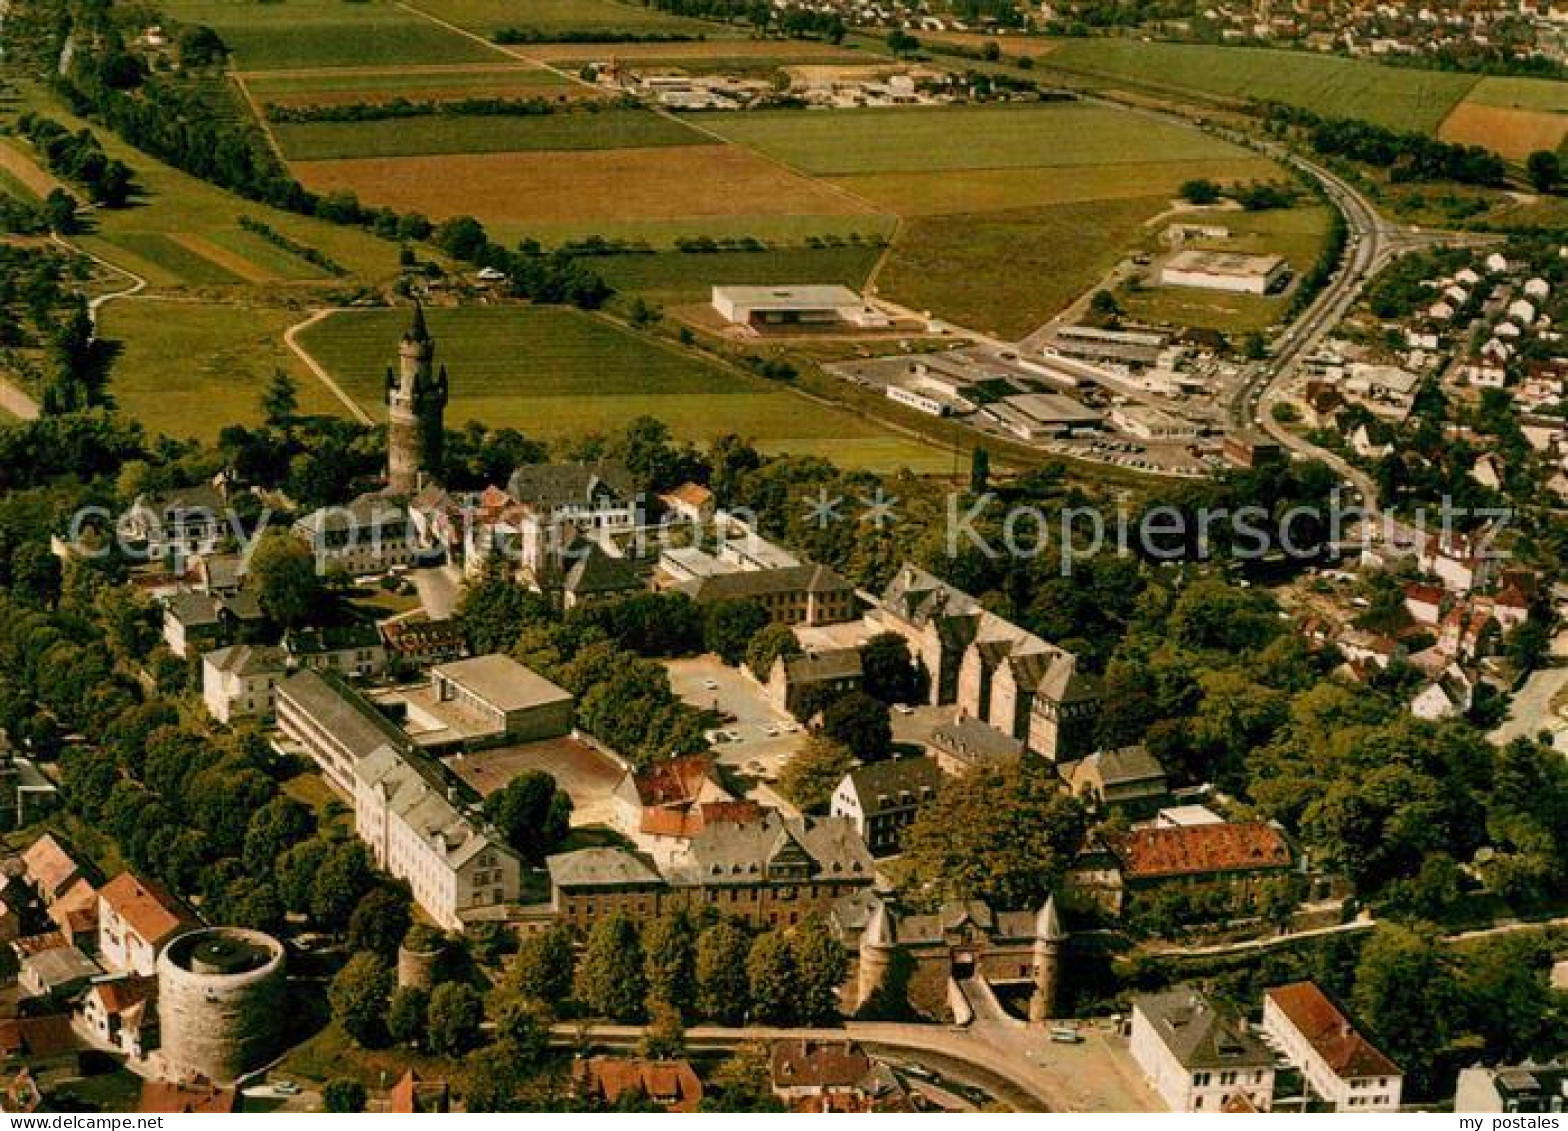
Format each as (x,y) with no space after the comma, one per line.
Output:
(1224,271)
(810,305)
(503,698)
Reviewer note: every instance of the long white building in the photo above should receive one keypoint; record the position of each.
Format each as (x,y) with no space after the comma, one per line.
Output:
(1340,1065)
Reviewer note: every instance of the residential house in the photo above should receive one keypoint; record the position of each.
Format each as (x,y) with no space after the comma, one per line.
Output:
(966,743)
(237,682)
(49,868)
(421,643)
(661,807)
(1528,1088)
(60,973)
(122,1013)
(371,534)
(348,649)
(1424,603)
(1339,1065)
(175,524)
(1447,696)
(196,622)
(1129,778)
(554,503)
(136,920)
(591,575)
(805,1073)
(691,502)
(798,594)
(882,799)
(806,677)
(671,1085)
(1199,1055)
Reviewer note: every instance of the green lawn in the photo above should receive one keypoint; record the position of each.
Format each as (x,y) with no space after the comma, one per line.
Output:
(187,369)
(1403,98)
(961,138)
(1521,94)
(191,268)
(327,33)
(558,16)
(374,85)
(684,277)
(954,265)
(556,373)
(408,137)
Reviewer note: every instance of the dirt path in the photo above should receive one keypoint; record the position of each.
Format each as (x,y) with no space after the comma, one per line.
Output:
(16,402)
(291,339)
(261,118)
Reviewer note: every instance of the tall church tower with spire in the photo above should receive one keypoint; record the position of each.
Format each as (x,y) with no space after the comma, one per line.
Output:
(416,410)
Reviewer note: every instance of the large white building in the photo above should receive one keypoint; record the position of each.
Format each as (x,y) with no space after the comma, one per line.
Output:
(782,307)
(1340,1065)
(1199,1056)
(237,682)
(372,534)
(1224,271)
(451,863)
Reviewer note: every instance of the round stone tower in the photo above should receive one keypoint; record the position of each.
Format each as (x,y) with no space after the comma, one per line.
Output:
(220,1003)
(416,409)
(877,944)
(419,958)
(1048,939)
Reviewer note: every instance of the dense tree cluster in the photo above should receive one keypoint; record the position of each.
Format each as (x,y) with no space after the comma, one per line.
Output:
(79,157)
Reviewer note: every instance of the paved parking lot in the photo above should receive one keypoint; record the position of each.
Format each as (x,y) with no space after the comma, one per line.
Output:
(764,738)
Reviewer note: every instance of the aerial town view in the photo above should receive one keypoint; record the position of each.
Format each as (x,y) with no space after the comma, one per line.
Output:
(862,556)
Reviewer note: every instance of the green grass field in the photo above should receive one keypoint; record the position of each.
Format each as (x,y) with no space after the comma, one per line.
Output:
(1402,98)
(408,137)
(554,373)
(683,277)
(1521,94)
(909,140)
(155,247)
(186,369)
(475,83)
(327,33)
(1006,273)
(556,16)
(663,233)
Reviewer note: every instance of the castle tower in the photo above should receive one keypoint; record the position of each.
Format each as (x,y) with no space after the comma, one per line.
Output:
(1048,939)
(416,408)
(876,953)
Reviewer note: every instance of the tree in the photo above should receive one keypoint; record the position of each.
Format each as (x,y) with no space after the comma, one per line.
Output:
(901,43)
(1104,308)
(359,998)
(1200,191)
(665,1036)
(861,724)
(670,962)
(723,991)
(820,968)
(1001,834)
(59,212)
(1544,169)
(610,978)
(888,673)
(811,776)
(454,1013)
(343,878)
(532,814)
(522,1024)
(343,1095)
(284,573)
(544,964)
(408,1018)
(494,1077)
(744,1082)
(728,627)
(380,920)
(768,645)
(280,401)
(1406,993)
(272,829)
(771,979)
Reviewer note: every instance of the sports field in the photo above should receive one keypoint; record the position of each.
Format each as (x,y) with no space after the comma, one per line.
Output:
(1514,116)
(186,369)
(1399,97)
(554,373)
(326,33)
(491,133)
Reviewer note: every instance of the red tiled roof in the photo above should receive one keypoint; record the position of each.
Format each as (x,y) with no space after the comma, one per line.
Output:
(29,945)
(672,1084)
(145,907)
(413,1095)
(1199,849)
(818,1064)
(49,865)
(692,494)
(673,780)
(1326,1028)
(125,993)
(686,821)
(1429,594)
(38,1036)
(186,1099)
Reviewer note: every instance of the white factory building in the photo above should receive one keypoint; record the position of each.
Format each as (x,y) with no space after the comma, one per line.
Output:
(814,305)
(1224,271)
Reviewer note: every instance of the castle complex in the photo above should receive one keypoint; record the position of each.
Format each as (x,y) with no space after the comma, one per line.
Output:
(416,406)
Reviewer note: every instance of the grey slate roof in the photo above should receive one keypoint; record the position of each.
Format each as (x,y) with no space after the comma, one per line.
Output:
(744,584)
(247,659)
(555,486)
(775,848)
(594,571)
(974,741)
(601,867)
(194,609)
(341,712)
(895,784)
(417,798)
(1125,766)
(1201,1034)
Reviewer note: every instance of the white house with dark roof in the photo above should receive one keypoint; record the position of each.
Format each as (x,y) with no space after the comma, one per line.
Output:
(1199,1055)
(237,682)
(883,798)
